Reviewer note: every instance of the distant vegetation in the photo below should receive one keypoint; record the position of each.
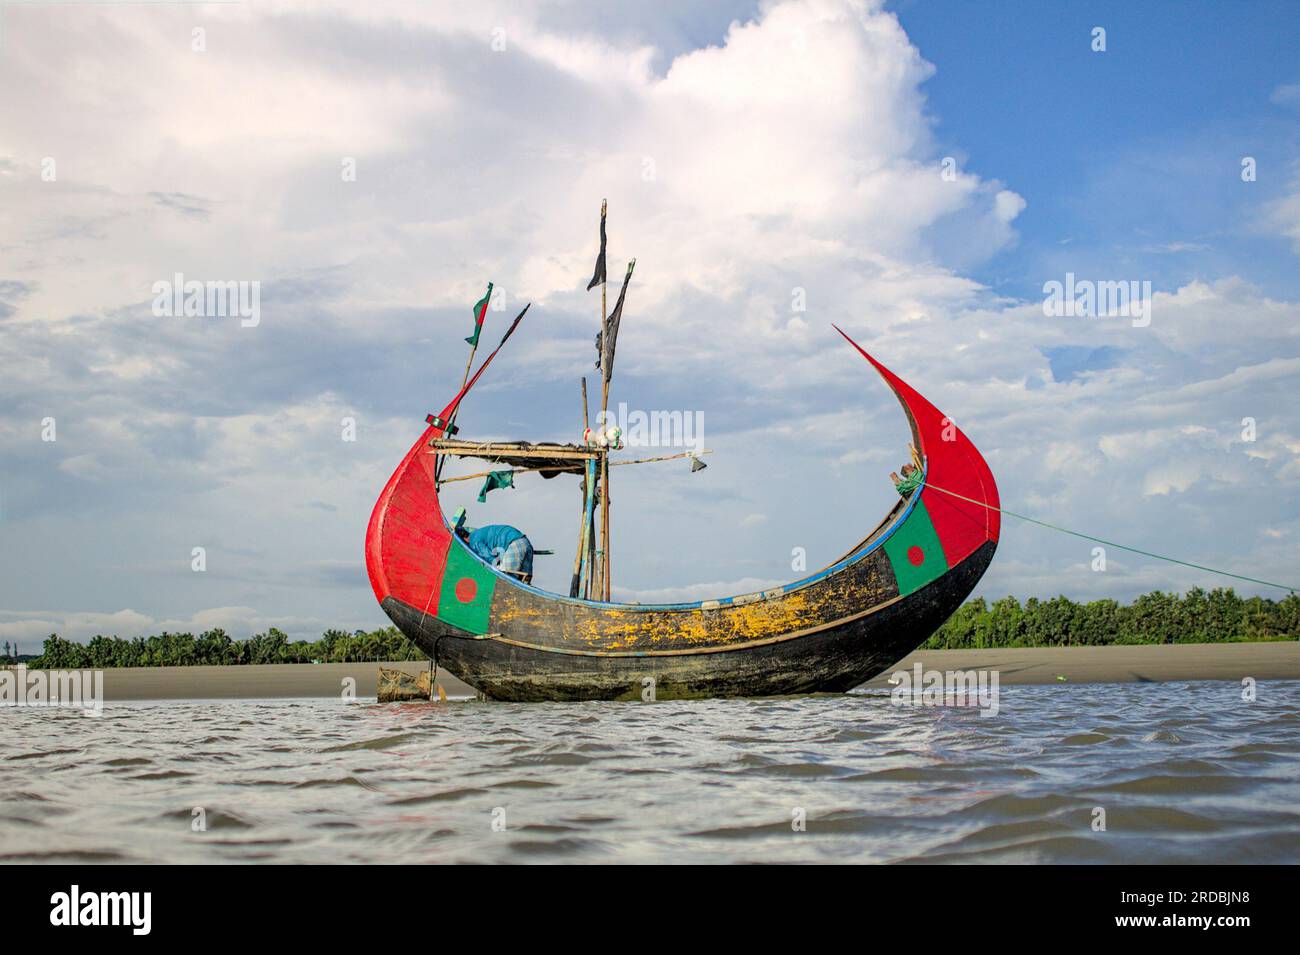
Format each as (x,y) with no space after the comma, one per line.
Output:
(10,654)
(215,647)
(1216,616)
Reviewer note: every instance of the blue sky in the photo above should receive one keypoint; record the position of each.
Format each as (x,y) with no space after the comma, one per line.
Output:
(1121,150)
(754,156)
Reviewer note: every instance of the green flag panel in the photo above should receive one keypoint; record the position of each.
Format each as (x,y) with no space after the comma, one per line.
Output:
(465,600)
(915,552)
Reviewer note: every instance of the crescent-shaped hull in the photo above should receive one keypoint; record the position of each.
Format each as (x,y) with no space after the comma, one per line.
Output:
(826,633)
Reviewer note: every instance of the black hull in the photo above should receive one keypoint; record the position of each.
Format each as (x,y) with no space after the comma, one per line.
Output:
(834,659)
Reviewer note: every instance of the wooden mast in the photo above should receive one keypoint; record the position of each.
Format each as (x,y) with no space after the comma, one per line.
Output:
(575,583)
(589,585)
(604,497)
(609,342)
(602,580)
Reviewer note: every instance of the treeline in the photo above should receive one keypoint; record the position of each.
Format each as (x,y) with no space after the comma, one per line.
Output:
(1199,616)
(215,647)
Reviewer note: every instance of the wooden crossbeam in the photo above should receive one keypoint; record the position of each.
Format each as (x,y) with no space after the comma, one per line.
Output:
(612,464)
(474,449)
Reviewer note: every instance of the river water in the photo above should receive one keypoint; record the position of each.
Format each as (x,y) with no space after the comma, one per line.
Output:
(1177,772)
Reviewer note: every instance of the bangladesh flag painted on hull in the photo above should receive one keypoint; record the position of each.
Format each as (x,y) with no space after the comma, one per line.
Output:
(915,552)
(465,599)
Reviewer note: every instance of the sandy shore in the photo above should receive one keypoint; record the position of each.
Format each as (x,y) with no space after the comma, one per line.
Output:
(1153,663)
(1057,665)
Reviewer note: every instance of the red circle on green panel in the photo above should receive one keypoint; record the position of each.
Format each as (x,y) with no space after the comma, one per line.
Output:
(914,554)
(466,590)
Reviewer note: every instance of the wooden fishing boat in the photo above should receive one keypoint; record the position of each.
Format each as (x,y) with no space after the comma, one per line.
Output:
(829,631)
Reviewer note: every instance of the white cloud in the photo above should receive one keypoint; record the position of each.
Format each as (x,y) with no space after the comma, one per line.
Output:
(1287,94)
(76,626)
(1284,215)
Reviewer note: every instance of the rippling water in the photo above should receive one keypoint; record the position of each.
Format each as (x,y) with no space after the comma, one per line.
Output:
(1185,772)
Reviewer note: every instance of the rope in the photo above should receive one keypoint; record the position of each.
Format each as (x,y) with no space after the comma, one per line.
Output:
(1099,540)
(433,661)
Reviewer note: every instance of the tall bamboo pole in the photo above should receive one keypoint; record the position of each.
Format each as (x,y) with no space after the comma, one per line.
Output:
(589,555)
(607,372)
(609,343)
(574,584)
(603,579)
(604,496)
(437,474)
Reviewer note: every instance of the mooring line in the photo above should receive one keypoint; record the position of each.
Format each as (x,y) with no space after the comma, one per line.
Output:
(1099,540)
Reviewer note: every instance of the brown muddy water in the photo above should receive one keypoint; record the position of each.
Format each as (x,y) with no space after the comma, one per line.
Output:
(1185,772)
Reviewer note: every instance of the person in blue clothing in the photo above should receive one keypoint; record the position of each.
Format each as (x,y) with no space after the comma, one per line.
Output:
(504,547)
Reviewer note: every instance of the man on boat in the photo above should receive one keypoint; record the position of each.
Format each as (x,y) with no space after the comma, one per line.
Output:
(907,483)
(504,547)
(911,476)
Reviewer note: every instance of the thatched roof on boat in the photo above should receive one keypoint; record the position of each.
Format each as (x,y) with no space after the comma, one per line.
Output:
(549,459)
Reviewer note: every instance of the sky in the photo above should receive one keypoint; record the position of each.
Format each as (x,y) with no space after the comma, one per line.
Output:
(915,172)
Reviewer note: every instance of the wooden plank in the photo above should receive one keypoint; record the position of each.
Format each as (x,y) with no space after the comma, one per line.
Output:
(576,468)
(499,451)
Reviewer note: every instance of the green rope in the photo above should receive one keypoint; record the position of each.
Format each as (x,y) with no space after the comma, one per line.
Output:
(1089,537)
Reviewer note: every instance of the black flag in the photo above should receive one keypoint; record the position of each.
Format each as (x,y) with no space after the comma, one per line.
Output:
(609,335)
(599,275)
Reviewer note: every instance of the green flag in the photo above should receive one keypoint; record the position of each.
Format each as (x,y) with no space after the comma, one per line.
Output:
(915,552)
(480,313)
(495,480)
(465,595)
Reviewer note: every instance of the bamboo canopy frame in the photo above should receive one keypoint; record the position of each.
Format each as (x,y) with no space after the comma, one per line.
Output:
(612,464)
(495,450)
